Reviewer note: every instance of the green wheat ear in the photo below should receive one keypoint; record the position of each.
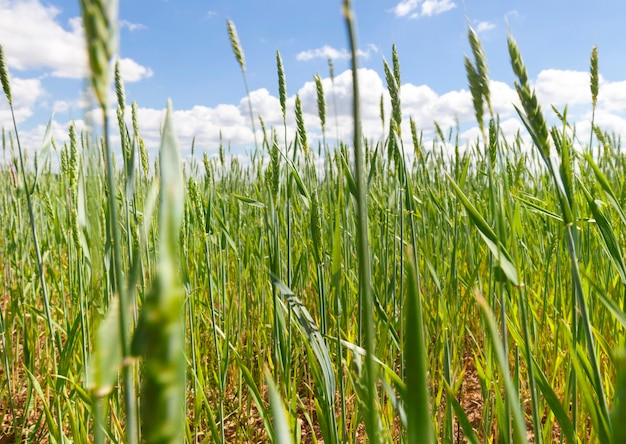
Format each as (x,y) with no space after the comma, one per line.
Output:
(534,119)
(101,36)
(593,72)
(394,93)
(234,42)
(282,84)
(4,77)
(481,65)
(300,125)
(321,102)
(475,89)
(119,88)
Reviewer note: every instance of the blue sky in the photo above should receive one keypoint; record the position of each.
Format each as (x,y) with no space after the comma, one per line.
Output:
(180,50)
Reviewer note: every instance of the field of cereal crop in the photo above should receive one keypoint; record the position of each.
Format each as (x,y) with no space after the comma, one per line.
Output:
(341,292)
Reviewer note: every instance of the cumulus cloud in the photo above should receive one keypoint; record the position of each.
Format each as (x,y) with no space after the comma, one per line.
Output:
(422,8)
(34,38)
(132,71)
(328,52)
(503,96)
(612,95)
(419,101)
(77,105)
(562,87)
(25,94)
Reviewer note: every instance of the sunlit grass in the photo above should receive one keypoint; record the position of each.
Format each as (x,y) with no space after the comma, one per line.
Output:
(407,292)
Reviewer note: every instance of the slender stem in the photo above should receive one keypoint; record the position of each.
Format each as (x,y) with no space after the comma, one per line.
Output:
(218,354)
(245,84)
(365,272)
(115,239)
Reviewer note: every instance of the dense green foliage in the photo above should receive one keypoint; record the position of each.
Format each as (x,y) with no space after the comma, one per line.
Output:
(494,274)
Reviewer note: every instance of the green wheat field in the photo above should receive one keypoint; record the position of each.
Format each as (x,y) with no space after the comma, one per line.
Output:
(389,290)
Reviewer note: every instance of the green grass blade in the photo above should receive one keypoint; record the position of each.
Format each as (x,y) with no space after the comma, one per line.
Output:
(618,416)
(503,258)
(417,400)
(248,201)
(281,427)
(606,187)
(519,426)
(608,236)
(313,336)
(107,355)
(554,403)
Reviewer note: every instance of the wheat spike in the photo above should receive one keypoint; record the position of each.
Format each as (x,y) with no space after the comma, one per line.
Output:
(99,20)
(119,87)
(234,42)
(300,125)
(481,66)
(528,98)
(4,77)
(321,102)
(282,84)
(593,71)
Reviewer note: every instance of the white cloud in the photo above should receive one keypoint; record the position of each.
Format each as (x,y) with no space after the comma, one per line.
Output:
(561,87)
(33,38)
(484,26)
(405,7)
(610,122)
(436,7)
(612,95)
(76,106)
(427,8)
(420,102)
(132,71)
(25,94)
(132,26)
(264,105)
(510,127)
(503,96)
(371,88)
(328,52)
